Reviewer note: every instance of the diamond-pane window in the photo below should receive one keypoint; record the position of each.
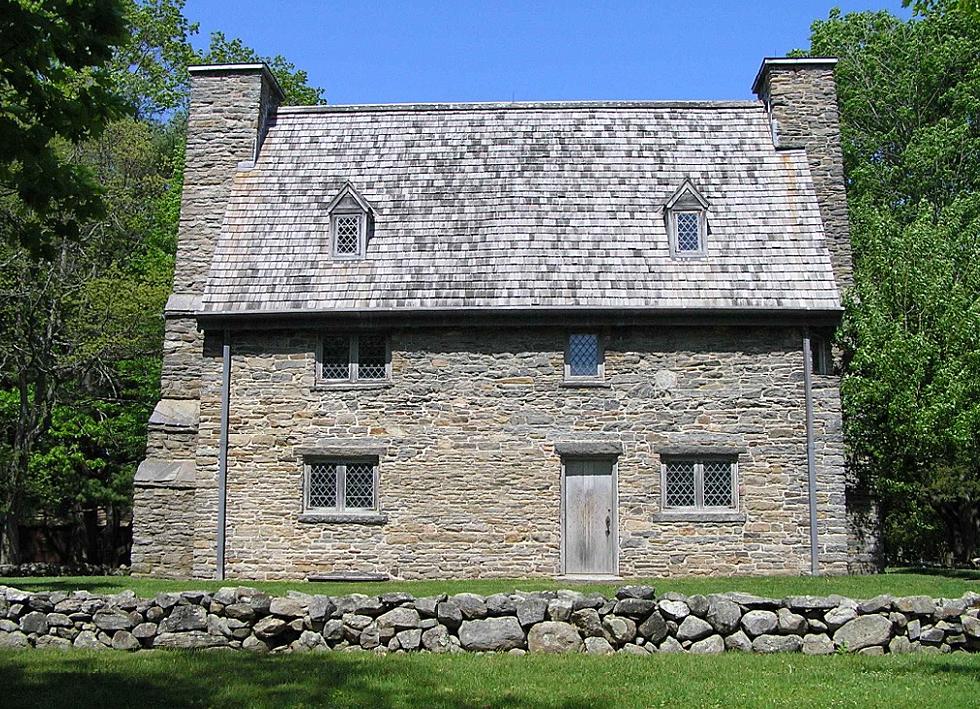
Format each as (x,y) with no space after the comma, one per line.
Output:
(717,483)
(372,357)
(680,484)
(583,356)
(322,486)
(699,483)
(360,486)
(335,358)
(347,234)
(341,485)
(352,358)
(688,232)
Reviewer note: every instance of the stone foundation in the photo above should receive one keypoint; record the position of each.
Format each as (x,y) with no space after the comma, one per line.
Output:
(636,622)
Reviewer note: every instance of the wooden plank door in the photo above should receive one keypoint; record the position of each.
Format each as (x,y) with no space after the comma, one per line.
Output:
(590,520)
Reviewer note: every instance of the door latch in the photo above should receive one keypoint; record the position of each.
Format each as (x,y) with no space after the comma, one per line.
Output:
(608,528)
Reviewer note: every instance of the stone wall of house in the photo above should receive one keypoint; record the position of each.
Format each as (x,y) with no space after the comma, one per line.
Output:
(469,477)
(228,111)
(635,622)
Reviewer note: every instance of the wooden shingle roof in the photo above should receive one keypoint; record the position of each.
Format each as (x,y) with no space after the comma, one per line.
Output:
(526,206)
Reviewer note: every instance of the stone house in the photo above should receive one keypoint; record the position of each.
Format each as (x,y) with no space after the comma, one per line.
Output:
(503,339)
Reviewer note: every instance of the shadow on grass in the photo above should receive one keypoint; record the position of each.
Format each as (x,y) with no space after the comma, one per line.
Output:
(961,574)
(167,679)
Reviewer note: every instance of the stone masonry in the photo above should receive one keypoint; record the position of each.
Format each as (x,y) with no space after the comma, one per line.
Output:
(635,622)
(469,477)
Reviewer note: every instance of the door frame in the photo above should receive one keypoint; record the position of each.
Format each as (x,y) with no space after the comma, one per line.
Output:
(614,464)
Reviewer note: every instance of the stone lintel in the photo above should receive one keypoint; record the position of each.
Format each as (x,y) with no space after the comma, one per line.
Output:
(155,472)
(701,448)
(589,448)
(343,447)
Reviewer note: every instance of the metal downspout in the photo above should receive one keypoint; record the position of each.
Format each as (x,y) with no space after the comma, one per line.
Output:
(219,572)
(811,465)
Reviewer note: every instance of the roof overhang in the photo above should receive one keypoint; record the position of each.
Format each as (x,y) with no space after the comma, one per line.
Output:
(519,317)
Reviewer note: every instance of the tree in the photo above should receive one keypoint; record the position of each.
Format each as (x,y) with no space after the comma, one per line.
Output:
(910,102)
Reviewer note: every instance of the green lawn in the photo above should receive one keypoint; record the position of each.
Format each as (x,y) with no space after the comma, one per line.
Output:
(158,679)
(899,583)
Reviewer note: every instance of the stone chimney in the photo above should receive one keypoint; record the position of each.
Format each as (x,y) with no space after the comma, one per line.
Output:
(801,98)
(230,108)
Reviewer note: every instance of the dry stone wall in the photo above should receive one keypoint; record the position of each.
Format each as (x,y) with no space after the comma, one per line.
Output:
(636,621)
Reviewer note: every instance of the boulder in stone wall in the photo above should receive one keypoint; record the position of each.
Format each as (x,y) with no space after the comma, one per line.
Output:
(253,644)
(333,630)
(933,636)
(46,642)
(876,605)
(8,626)
(971,626)
(112,619)
(635,607)
(837,617)
(399,619)
(654,628)
(35,622)
(427,606)
(267,628)
(471,606)
(724,615)
(184,618)
(87,640)
(500,604)
(409,639)
(711,645)
(588,622)
(17,639)
(190,640)
(554,637)
(790,623)
(144,631)
(620,630)
(864,631)
(531,610)
(125,640)
(899,645)
(915,605)
(807,604)
(817,644)
(646,593)
(598,646)
(633,649)
(396,598)
(288,607)
(759,622)
(674,610)
(368,605)
(436,639)
(693,628)
(670,645)
(58,620)
(767,644)
(356,621)
(491,634)
(753,602)
(560,609)
(370,637)
(449,614)
(320,608)
(738,641)
(311,641)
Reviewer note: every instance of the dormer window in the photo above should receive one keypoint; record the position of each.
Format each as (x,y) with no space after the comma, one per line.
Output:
(349,218)
(687,222)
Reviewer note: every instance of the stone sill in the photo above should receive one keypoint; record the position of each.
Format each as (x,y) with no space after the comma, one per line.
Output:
(585,384)
(373,518)
(351,386)
(698,516)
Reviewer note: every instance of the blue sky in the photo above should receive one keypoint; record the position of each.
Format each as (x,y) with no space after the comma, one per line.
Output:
(461,50)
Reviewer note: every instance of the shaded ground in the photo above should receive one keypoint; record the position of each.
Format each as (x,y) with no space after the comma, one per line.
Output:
(160,679)
(937,583)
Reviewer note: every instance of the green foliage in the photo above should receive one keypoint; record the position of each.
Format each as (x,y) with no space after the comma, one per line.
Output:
(910,112)
(53,85)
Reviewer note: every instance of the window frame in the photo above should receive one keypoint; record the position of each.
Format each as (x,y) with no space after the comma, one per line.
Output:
(699,461)
(600,375)
(341,483)
(821,361)
(361,234)
(353,361)
(702,216)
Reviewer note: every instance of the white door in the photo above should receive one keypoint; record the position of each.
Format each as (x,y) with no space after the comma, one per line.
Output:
(590,522)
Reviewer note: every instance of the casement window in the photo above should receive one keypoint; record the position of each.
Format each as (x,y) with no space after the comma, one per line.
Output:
(820,356)
(686,214)
(353,358)
(584,358)
(700,484)
(341,486)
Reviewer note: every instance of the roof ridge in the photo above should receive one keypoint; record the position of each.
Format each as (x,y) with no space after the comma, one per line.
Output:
(519,105)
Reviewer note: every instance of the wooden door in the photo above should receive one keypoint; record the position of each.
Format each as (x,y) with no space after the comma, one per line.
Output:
(590,518)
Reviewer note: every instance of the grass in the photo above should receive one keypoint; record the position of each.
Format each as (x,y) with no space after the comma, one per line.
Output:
(947,583)
(159,679)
